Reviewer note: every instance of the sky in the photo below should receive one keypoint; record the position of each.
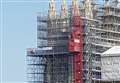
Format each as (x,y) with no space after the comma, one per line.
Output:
(19,29)
(19,33)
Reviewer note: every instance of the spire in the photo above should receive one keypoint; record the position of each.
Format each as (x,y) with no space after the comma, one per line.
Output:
(51,11)
(63,9)
(88,9)
(106,4)
(75,9)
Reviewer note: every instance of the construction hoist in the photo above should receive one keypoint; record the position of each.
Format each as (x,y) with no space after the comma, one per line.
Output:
(75,43)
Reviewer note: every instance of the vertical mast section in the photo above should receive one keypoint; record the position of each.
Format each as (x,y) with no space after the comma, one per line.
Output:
(89,24)
(75,43)
(63,13)
(51,11)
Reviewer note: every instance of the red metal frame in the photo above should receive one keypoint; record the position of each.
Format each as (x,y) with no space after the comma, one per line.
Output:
(75,47)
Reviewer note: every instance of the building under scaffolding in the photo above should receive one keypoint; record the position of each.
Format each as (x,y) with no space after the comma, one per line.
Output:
(51,61)
(52,45)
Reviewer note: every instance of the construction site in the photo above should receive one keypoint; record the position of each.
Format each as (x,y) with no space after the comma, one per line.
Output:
(69,45)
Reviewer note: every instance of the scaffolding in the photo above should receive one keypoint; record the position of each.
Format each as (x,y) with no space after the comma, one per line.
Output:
(52,36)
(36,66)
(52,49)
(91,68)
(108,33)
(57,67)
(51,61)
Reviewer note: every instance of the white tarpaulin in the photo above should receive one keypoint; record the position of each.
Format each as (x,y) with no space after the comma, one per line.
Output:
(110,64)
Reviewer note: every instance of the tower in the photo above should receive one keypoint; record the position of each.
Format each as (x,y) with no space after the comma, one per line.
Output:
(51,10)
(63,12)
(88,9)
(75,9)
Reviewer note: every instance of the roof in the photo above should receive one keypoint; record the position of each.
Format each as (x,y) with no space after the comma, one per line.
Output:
(115,50)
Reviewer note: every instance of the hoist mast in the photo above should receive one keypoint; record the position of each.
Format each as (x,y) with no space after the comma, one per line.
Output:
(75,43)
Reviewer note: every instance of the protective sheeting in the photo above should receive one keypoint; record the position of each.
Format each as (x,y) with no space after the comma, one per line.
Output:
(110,64)
(115,51)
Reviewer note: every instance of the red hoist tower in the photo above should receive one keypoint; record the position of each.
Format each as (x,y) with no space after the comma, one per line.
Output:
(75,43)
